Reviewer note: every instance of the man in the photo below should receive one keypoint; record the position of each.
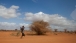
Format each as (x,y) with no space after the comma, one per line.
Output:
(22,31)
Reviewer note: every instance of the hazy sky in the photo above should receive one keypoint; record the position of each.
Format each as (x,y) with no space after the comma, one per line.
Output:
(60,14)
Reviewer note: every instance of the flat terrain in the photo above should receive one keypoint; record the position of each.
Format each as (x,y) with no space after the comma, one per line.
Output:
(6,37)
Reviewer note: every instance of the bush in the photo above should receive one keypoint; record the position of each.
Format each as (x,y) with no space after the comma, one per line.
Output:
(75,31)
(65,30)
(56,30)
(15,29)
(40,27)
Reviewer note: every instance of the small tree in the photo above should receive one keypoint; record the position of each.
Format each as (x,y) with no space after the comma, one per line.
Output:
(40,27)
(65,30)
(75,31)
(15,29)
(56,30)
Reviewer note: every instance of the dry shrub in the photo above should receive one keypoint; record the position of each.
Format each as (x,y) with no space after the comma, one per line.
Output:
(40,27)
(56,30)
(65,30)
(75,31)
(15,29)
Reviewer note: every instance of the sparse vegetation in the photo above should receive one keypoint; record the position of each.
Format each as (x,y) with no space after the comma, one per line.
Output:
(65,30)
(15,29)
(75,31)
(56,30)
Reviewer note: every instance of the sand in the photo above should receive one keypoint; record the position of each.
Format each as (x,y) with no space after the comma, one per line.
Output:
(5,37)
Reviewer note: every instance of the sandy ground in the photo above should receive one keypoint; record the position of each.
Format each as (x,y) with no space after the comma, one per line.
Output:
(5,37)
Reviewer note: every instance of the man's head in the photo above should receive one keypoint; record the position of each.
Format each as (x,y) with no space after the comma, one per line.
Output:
(22,26)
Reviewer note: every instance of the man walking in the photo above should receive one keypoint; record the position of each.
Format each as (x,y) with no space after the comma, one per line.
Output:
(22,31)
